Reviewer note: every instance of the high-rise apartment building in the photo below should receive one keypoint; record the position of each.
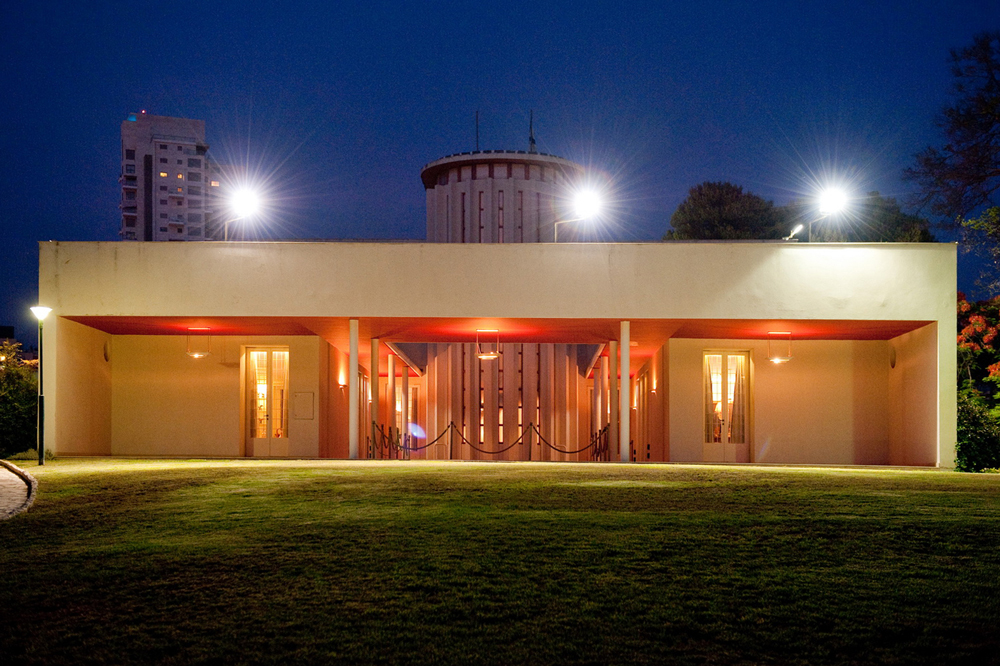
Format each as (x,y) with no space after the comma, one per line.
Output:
(167,180)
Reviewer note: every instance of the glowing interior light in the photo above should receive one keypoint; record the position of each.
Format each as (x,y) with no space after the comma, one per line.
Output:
(199,346)
(831,201)
(779,346)
(483,350)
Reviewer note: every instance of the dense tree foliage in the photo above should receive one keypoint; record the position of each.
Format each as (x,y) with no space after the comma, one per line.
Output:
(714,211)
(963,176)
(960,180)
(978,445)
(18,401)
(873,219)
(723,211)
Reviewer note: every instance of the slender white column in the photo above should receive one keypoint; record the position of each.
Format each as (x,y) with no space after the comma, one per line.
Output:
(390,394)
(626,393)
(602,399)
(376,395)
(405,411)
(613,399)
(353,393)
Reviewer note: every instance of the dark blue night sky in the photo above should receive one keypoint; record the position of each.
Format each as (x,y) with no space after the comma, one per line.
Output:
(338,105)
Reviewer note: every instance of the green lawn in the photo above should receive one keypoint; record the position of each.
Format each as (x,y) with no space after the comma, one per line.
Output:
(185,562)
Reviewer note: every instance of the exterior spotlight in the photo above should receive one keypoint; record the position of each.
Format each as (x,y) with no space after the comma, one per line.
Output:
(791,236)
(243,203)
(587,205)
(830,201)
(40,312)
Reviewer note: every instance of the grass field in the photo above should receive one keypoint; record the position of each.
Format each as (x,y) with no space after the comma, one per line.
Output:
(181,562)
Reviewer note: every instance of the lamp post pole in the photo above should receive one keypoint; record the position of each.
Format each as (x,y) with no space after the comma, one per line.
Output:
(41,401)
(40,312)
(555,229)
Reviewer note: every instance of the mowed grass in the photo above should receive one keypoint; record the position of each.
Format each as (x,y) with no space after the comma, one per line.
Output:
(180,562)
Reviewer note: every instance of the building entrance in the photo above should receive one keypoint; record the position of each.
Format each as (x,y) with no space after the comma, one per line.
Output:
(267,402)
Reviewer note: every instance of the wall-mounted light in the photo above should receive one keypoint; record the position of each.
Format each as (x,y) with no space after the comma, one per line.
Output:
(199,344)
(779,346)
(487,351)
(791,236)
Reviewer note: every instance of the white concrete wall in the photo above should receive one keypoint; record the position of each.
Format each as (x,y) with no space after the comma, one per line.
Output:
(589,280)
(78,414)
(914,401)
(165,403)
(829,404)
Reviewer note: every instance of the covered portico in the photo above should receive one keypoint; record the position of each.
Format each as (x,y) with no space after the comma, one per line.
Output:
(870,380)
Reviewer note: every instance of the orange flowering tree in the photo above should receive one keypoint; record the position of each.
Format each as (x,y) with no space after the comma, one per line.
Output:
(979,346)
(978,446)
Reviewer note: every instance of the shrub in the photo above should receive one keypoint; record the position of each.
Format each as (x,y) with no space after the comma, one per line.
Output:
(18,402)
(31,454)
(978,447)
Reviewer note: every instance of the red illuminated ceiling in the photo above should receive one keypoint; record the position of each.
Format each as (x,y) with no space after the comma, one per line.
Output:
(647,335)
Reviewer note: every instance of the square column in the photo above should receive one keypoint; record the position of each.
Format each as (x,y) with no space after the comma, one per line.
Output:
(353,400)
(625,413)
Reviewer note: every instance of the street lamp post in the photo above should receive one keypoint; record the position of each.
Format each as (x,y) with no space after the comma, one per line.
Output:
(41,313)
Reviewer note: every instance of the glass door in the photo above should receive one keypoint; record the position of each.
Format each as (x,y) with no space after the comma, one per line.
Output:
(727,399)
(267,402)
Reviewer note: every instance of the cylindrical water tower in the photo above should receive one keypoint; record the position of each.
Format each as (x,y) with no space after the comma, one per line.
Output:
(506,196)
(497,196)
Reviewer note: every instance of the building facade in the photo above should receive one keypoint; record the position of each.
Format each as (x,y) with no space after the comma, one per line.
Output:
(490,342)
(168,183)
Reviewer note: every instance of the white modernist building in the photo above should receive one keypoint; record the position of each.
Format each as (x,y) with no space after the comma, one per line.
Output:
(504,346)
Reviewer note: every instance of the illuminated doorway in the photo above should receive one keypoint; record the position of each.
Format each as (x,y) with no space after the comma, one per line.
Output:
(267,402)
(727,406)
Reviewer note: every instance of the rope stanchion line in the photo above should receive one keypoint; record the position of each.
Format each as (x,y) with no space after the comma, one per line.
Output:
(385,444)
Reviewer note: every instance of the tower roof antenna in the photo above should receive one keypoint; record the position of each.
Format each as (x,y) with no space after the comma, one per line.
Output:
(532,148)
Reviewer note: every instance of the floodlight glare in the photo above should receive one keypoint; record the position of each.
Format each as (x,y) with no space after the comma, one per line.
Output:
(587,204)
(245,203)
(831,201)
